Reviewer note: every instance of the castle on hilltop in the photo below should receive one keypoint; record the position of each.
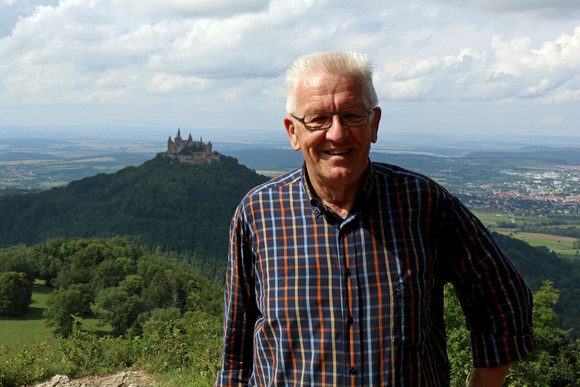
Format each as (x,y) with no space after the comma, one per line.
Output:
(190,151)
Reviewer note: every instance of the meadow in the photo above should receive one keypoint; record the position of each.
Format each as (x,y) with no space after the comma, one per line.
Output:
(31,328)
(563,245)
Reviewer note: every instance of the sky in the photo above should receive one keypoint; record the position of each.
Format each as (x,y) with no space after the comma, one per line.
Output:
(502,68)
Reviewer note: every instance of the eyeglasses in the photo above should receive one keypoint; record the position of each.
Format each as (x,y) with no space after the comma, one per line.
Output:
(323,120)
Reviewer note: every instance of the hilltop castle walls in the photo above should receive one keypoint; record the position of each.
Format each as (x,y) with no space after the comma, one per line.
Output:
(190,151)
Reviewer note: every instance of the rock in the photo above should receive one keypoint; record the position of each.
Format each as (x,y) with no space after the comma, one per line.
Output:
(120,379)
(56,381)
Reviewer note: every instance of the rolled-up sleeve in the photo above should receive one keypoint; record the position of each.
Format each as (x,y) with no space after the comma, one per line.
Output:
(495,298)
(240,310)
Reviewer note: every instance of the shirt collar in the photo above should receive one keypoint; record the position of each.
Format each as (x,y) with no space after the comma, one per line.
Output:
(320,209)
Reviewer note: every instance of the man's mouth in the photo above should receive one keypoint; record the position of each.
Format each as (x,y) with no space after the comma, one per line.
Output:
(335,152)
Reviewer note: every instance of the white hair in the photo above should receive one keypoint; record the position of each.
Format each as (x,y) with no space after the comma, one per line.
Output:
(334,63)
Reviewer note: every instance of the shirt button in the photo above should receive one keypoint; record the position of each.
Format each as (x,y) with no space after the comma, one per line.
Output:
(350,320)
(347,272)
(353,371)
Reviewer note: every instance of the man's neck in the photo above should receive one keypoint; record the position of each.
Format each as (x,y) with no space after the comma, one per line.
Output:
(339,198)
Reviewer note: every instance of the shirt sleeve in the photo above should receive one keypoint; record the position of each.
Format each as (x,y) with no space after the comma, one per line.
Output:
(240,310)
(496,300)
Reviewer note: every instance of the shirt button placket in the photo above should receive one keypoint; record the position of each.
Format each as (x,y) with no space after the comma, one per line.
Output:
(352,325)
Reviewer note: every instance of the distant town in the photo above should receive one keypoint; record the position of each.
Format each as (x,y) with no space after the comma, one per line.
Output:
(538,192)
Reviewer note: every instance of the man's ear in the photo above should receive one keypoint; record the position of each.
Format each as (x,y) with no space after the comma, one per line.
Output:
(291,132)
(375,124)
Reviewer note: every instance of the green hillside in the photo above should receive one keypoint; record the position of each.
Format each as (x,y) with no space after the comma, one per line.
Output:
(162,206)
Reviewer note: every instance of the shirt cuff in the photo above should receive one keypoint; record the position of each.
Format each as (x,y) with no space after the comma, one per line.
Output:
(492,351)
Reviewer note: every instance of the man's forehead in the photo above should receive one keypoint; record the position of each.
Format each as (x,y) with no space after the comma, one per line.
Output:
(315,78)
(322,87)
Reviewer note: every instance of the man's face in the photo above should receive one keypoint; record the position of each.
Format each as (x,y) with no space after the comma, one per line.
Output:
(336,157)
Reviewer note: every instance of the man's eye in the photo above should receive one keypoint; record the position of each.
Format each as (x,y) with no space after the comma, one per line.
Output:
(353,117)
(317,119)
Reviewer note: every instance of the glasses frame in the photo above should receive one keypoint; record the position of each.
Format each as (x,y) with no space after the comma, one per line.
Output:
(332,114)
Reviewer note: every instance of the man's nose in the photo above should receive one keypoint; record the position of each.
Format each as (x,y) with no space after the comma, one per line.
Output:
(337,131)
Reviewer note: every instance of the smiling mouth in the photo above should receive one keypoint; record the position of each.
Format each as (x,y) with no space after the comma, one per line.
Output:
(337,152)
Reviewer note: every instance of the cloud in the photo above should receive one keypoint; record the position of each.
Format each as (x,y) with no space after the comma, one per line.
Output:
(511,69)
(537,8)
(186,8)
(205,56)
(551,120)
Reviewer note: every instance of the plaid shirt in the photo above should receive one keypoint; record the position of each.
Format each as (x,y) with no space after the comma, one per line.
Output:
(312,299)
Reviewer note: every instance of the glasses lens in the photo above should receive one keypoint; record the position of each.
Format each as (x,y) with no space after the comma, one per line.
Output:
(318,120)
(354,117)
(348,117)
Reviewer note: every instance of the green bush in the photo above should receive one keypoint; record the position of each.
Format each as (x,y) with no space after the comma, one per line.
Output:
(15,293)
(22,364)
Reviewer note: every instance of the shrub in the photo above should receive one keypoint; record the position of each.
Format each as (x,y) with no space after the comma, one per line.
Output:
(15,293)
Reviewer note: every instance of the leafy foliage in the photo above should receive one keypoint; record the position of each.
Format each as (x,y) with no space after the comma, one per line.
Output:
(167,318)
(538,265)
(15,293)
(62,307)
(119,283)
(556,362)
(458,345)
(162,206)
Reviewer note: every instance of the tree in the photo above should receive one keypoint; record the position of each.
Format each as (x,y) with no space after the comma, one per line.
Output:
(556,361)
(14,259)
(458,346)
(63,306)
(15,293)
(118,308)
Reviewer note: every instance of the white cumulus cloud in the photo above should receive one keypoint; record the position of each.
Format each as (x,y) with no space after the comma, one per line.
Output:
(510,69)
(194,58)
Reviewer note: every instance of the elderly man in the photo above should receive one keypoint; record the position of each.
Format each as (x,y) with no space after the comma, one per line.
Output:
(336,270)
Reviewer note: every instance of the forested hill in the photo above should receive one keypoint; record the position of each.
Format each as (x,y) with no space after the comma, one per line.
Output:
(169,207)
(161,205)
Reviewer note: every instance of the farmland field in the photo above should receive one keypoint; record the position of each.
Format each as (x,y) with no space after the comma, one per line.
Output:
(562,245)
(553,242)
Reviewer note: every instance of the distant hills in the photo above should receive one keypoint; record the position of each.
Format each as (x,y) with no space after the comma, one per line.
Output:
(286,158)
(548,154)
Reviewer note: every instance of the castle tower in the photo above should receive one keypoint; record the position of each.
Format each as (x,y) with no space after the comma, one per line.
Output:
(170,146)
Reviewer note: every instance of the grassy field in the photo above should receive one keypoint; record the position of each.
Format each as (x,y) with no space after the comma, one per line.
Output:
(553,242)
(560,244)
(491,217)
(31,327)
